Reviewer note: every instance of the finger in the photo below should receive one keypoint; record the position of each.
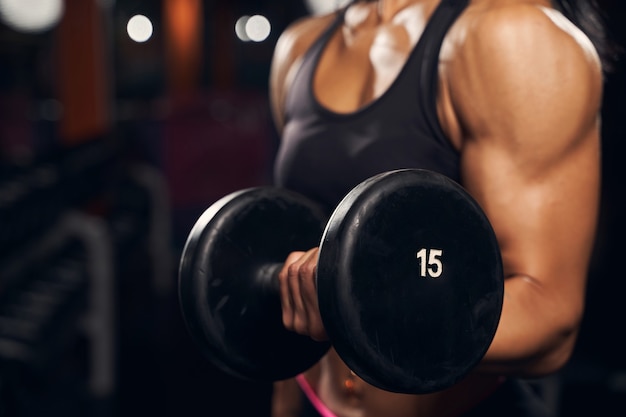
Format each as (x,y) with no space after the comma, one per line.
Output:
(297,272)
(307,280)
(308,290)
(286,298)
(307,318)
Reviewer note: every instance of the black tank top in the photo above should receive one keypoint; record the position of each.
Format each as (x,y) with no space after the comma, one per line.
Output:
(323,154)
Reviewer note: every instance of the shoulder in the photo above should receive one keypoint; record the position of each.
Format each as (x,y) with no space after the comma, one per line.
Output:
(292,44)
(516,58)
(524,27)
(522,33)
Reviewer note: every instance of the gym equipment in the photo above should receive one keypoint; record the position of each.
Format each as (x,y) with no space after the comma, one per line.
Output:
(409,281)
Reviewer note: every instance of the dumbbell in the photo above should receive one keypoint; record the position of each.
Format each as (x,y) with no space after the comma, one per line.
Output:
(409,281)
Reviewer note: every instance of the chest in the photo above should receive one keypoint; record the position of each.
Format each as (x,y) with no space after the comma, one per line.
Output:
(365,56)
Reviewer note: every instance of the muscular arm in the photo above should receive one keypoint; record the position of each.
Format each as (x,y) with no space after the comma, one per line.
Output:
(526,89)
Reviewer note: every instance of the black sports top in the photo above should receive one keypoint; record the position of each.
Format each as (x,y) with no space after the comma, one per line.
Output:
(323,154)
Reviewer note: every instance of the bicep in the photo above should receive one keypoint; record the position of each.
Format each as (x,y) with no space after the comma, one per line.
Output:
(545,223)
(544,216)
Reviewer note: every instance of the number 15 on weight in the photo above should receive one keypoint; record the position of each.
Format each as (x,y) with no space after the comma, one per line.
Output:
(430,262)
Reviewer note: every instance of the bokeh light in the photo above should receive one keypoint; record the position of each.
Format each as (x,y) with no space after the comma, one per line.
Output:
(240,28)
(31,15)
(139,28)
(255,28)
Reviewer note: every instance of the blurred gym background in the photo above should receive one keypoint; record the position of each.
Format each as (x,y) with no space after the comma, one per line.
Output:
(120,122)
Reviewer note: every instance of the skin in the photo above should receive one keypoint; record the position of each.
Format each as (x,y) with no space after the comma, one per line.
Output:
(519,98)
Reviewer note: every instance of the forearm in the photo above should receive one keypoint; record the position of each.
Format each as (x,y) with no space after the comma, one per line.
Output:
(536,333)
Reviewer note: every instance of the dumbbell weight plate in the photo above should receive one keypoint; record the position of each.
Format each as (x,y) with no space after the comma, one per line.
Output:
(233,315)
(410,281)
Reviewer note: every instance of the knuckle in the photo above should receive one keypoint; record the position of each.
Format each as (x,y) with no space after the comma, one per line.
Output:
(282,276)
(309,269)
(293,270)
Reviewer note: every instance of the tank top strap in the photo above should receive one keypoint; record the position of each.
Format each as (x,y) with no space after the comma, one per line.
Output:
(427,58)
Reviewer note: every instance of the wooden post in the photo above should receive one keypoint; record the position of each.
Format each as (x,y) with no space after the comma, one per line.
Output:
(183,27)
(83,73)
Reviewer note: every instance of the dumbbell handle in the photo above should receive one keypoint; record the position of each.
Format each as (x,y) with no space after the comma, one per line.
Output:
(266,278)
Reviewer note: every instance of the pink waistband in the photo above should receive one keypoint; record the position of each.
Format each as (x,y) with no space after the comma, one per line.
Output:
(313,398)
(325,412)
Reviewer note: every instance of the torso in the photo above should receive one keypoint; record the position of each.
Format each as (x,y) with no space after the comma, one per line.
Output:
(333,115)
(364,58)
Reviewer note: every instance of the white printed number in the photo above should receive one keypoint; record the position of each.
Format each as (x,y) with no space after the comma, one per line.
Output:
(433,268)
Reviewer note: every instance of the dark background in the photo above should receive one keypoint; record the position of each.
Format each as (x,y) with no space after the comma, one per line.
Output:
(110,150)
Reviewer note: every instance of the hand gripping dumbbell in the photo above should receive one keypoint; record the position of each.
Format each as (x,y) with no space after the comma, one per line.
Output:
(409,281)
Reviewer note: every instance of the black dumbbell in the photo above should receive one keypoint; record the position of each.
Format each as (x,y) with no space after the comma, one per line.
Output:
(409,281)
